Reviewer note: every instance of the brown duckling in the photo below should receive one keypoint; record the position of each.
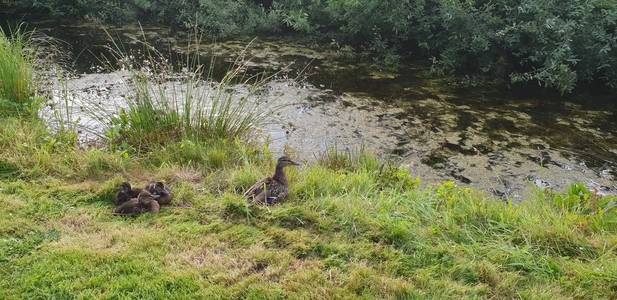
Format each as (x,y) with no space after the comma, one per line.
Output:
(273,189)
(144,202)
(160,192)
(126,193)
(148,203)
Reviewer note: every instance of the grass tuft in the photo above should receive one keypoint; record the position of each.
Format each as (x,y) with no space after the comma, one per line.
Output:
(170,103)
(17,86)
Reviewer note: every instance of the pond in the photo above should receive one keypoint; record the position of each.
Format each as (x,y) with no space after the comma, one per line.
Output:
(503,142)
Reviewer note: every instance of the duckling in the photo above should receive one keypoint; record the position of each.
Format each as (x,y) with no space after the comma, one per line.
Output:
(126,193)
(160,192)
(143,203)
(148,203)
(273,189)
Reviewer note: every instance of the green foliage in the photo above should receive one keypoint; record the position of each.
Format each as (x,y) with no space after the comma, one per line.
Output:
(7,170)
(243,178)
(577,199)
(34,152)
(557,44)
(107,191)
(217,18)
(113,10)
(386,174)
(350,159)
(236,207)
(207,154)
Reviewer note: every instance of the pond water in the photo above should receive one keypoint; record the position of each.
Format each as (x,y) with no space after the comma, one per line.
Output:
(502,142)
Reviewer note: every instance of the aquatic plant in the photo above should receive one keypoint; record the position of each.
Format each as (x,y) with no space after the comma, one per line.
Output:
(387,174)
(17,86)
(346,159)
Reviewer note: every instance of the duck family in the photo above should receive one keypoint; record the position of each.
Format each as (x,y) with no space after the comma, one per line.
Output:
(132,201)
(144,202)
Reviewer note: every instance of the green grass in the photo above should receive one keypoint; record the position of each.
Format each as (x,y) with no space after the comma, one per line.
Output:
(346,231)
(17,57)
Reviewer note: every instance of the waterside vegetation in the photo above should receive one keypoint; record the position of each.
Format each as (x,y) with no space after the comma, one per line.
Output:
(557,44)
(352,226)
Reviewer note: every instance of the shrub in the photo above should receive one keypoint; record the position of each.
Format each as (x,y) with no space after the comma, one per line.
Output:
(557,44)
(113,10)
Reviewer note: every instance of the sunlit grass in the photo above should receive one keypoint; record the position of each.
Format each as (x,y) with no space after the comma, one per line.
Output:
(343,233)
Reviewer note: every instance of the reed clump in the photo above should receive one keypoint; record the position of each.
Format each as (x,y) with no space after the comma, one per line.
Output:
(171,102)
(17,86)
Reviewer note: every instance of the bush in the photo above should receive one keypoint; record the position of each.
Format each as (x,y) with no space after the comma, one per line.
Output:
(557,44)
(111,10)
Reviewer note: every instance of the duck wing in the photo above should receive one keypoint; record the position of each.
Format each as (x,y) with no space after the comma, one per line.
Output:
(135,192)
(164,197)
(122,197)
(258,192)
(128,208)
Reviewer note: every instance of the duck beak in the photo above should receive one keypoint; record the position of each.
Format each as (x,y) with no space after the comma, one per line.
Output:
(294,163)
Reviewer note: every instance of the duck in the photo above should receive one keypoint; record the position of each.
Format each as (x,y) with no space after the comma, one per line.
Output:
(160,192)
(273,189)
(126,193)
(144,202)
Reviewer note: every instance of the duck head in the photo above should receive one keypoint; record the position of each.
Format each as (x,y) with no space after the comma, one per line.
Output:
(125,187)
(156,187)
(285,161)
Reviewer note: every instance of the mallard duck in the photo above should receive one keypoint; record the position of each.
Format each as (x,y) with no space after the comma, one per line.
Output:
(272,189)
(160,192)
(144,202)
(126,193)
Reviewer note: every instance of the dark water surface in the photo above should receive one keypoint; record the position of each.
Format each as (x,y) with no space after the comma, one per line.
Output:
(503,142)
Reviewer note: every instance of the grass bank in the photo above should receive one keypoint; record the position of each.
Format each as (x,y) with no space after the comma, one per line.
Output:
(352,227)
(348,230)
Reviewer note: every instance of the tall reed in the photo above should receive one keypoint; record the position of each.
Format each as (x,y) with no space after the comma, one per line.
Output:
(17,58)
(169,102)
